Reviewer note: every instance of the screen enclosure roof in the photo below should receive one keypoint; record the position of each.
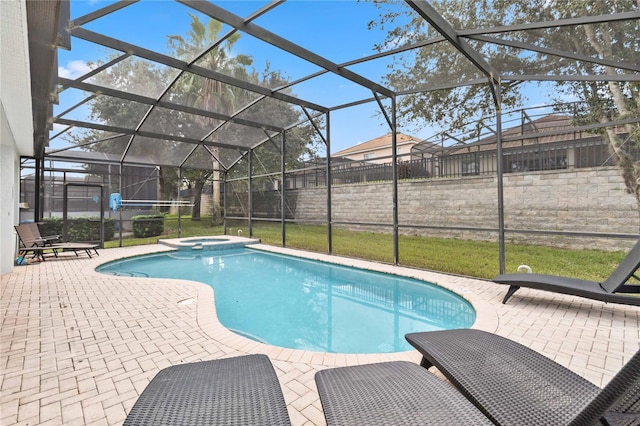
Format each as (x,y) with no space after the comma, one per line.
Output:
(187,82)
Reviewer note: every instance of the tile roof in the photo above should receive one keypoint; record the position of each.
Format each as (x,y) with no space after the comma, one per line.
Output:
(551,128)
(379,142)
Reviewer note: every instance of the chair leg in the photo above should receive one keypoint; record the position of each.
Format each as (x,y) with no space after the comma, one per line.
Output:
(512,289)
(424,362)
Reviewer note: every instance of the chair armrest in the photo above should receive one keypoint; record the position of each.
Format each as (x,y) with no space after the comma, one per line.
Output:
(49,238)
(34,243)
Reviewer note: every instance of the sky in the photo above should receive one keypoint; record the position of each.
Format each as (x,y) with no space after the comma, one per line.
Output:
(335,29)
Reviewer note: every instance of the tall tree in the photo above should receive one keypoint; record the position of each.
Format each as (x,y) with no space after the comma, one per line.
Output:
(207,94)
(143,77)
(440,63)
(607,100)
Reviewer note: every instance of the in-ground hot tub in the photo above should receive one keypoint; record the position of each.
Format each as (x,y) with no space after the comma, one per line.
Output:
(216,242)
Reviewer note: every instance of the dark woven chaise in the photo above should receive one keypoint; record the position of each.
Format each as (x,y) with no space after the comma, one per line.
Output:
(514,385)
(392,393)
(233,391)
(615,289)
(32,241)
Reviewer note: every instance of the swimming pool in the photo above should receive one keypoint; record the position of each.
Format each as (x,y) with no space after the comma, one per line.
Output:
(302,304)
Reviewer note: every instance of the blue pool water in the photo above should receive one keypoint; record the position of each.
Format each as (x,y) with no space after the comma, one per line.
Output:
(301,304)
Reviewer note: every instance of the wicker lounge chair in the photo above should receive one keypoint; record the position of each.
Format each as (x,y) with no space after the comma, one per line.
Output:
(32,241)
(614,289)
(233,391)
(514,385)
(392,393)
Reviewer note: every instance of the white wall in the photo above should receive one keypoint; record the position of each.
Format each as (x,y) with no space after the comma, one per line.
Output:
(9,192)
(16,120)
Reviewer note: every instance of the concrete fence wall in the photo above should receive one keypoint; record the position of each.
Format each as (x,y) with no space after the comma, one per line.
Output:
(584,200)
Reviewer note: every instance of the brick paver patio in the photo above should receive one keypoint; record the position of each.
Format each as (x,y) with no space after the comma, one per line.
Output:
(78,347)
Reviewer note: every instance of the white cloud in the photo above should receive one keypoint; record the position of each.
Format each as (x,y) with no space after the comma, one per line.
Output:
(74,69)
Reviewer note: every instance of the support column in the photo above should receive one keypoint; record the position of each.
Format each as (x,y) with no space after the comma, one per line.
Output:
(394,159)
(179,209)
(120,209)
(282,197)
(224,202)
(497,95)
(38,185)
(250,195)
(328,183)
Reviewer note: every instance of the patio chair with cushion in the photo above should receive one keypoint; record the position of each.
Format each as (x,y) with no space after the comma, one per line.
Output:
(242,390)
(615,289)
(32,241)
(514,385)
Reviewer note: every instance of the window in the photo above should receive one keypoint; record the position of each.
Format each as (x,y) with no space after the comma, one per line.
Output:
(593,156)
(470,165)
(369,156)
(533,160)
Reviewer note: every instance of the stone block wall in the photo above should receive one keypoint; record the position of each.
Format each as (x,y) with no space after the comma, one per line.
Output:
(584,200)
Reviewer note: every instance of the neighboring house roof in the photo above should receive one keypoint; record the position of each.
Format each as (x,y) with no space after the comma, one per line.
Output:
(377,143)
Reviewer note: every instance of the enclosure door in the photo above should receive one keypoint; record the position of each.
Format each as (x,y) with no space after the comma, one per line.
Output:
(83,200)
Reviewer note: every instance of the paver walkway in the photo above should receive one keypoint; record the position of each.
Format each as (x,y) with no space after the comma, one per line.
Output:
(78,347)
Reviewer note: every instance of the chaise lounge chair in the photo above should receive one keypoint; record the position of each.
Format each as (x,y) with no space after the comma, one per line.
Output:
(614,289)
(32,241)
(514,385)
(242,390)
(392,393)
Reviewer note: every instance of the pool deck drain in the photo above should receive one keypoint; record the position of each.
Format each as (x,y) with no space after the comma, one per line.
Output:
(78,347)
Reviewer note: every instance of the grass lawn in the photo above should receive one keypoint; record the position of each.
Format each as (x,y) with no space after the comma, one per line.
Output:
(463,257)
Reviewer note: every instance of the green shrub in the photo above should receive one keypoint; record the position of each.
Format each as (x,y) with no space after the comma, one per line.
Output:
(79,228)
(149,225)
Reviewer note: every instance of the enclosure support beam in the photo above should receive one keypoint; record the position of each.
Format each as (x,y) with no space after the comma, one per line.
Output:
(37,208)
(328,183)
(179,200)
(120,209)
(282,198)
(431,15)
(394,166)
(222,15)
(250,197)
(224,202)
(497,96)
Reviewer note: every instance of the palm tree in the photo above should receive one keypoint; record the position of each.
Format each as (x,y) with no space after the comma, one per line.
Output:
(203,44)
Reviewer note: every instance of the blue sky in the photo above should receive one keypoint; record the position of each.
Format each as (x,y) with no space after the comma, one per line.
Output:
(335,29)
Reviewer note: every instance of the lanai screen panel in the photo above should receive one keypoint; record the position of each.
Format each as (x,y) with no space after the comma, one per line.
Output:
(257,67)
(243,137)
(109,111)
(266,158)
(178,123)
(160,152)
(109,148)
(202,158)
(135,76)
